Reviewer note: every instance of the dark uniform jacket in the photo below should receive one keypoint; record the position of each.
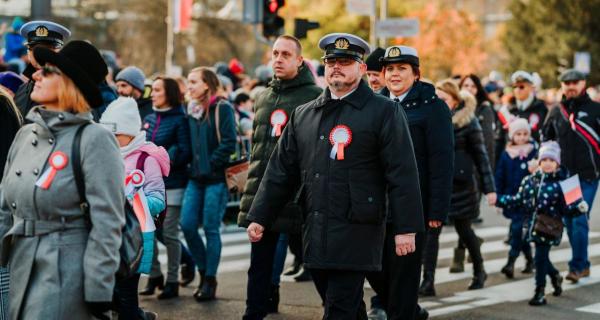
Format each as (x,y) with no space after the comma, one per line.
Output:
(469,155)
(344,200)
(286,95)
(23,95)
(432,134)
(535,115)
(579,140)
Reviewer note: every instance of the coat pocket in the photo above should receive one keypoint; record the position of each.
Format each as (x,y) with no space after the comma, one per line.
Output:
(367,205)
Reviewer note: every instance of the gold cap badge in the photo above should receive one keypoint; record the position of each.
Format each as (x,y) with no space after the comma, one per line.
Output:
(394,52)
(41,31)
(342,43)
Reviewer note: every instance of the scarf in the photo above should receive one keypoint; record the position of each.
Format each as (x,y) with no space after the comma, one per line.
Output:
(521,151)
(135,144)
(196,109)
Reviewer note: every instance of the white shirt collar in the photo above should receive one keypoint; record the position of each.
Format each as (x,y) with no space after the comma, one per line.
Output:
(334,97)
(400,97)
(523,105)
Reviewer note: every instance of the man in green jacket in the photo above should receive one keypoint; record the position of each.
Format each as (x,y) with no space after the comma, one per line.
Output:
(293,85)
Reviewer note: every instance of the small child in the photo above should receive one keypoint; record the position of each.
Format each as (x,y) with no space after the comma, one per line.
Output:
(511,168)
(540,194)
(123,119)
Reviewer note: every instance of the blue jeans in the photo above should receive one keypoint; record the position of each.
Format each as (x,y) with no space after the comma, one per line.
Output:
(517,240)
(543,265)
(578,229)
(279,260)
(206,204)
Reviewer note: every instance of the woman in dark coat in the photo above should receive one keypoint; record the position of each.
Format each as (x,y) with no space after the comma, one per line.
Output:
(469,153)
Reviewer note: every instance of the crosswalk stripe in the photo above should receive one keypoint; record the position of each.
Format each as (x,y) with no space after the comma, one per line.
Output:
(593,308)
(452,236)
(443,275)
(513,291)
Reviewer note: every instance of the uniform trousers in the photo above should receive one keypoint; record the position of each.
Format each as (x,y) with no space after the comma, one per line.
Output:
(342,293)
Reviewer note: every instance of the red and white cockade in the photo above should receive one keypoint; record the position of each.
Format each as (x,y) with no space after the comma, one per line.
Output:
(340,138)
(58,160)
(278,120)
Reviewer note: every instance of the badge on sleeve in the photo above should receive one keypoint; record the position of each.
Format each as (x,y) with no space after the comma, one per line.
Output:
(340,138)
(58,160)
(278,120)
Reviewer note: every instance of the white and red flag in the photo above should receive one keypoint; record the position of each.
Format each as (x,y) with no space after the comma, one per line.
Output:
(571,189)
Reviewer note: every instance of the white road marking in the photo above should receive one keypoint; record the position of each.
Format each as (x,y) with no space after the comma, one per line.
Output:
(593,308)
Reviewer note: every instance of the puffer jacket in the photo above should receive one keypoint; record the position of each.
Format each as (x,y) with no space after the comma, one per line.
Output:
(510,171)
(540,193)
(285,95)
(470,156)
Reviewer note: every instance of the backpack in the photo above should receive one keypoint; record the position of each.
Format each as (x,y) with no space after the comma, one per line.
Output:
(132,239)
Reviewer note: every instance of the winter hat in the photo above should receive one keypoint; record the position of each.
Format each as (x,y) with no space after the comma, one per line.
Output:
(516,125)
(122,117)
(11,81)
(82,63)
(372,62)
(549,150)
(132,75)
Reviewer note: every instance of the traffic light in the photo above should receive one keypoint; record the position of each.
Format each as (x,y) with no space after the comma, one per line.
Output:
(272,22)
(301,26)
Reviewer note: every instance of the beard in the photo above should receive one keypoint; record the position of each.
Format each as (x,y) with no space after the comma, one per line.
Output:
(341,85)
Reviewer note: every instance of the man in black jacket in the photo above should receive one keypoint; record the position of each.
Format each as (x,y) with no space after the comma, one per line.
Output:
(292,86)
(432,134)
(575,125)
(38,33)
(349,149)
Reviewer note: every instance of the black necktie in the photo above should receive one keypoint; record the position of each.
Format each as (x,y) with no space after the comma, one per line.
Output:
(396,99)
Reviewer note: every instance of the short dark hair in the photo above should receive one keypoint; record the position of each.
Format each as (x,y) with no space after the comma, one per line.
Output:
(172,91)
(241,98)
(294,40)
(416,71)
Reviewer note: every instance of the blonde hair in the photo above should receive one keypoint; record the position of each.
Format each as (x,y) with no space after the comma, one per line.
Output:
(70,98)
(449,87)
(11,103)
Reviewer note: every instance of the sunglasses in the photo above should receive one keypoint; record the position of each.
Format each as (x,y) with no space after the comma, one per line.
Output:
(521,87)
(344,62)
(50,70)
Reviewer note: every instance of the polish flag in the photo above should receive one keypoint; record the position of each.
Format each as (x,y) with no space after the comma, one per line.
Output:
(571,189)
(504,116)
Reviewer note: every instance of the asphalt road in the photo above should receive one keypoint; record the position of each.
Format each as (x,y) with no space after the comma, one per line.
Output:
(500,299)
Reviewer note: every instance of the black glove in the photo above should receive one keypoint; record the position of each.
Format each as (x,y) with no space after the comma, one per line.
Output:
(99,309)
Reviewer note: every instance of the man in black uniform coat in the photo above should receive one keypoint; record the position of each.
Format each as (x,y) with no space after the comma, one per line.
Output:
(38,33)
(349,148)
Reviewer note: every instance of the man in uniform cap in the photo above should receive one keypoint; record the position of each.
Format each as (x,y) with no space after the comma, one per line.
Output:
(525,105)
(374,75)
(575,125)
(432,134)
(44,34)
(349,151)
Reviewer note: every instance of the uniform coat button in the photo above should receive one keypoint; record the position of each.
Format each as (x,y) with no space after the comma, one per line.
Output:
(13,205)
(322,137)
(36,171)
(370,199)
(61,116)
(317,175)
(18,172)
(34,142)
(34,130)
(50,141)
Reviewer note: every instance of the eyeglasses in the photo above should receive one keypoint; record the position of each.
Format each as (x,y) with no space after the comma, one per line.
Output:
(521,87)
(344,62)
(50,70)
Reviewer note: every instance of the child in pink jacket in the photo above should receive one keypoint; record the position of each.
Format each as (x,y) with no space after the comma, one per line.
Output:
(122,118)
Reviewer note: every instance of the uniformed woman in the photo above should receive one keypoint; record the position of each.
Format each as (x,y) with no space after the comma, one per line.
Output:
(62,249)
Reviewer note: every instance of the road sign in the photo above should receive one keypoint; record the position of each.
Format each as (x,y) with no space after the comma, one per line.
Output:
(398,27)
(583,62)
(361,7)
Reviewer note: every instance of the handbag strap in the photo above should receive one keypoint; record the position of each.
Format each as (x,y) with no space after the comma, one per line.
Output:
(242,146)
(77,170)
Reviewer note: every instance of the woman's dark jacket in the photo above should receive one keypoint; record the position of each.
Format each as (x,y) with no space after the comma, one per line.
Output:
(169,129)
(209,155)
(470,157)
(430,124)
(9,125)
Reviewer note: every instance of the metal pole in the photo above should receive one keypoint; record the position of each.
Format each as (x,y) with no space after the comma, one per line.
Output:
(41,9)
(383,12)
(169,53)
(372,35)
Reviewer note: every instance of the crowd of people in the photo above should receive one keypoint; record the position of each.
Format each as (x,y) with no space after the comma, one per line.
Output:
(355,144)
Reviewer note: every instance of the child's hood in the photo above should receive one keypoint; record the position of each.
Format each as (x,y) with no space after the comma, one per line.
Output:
(158,153)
